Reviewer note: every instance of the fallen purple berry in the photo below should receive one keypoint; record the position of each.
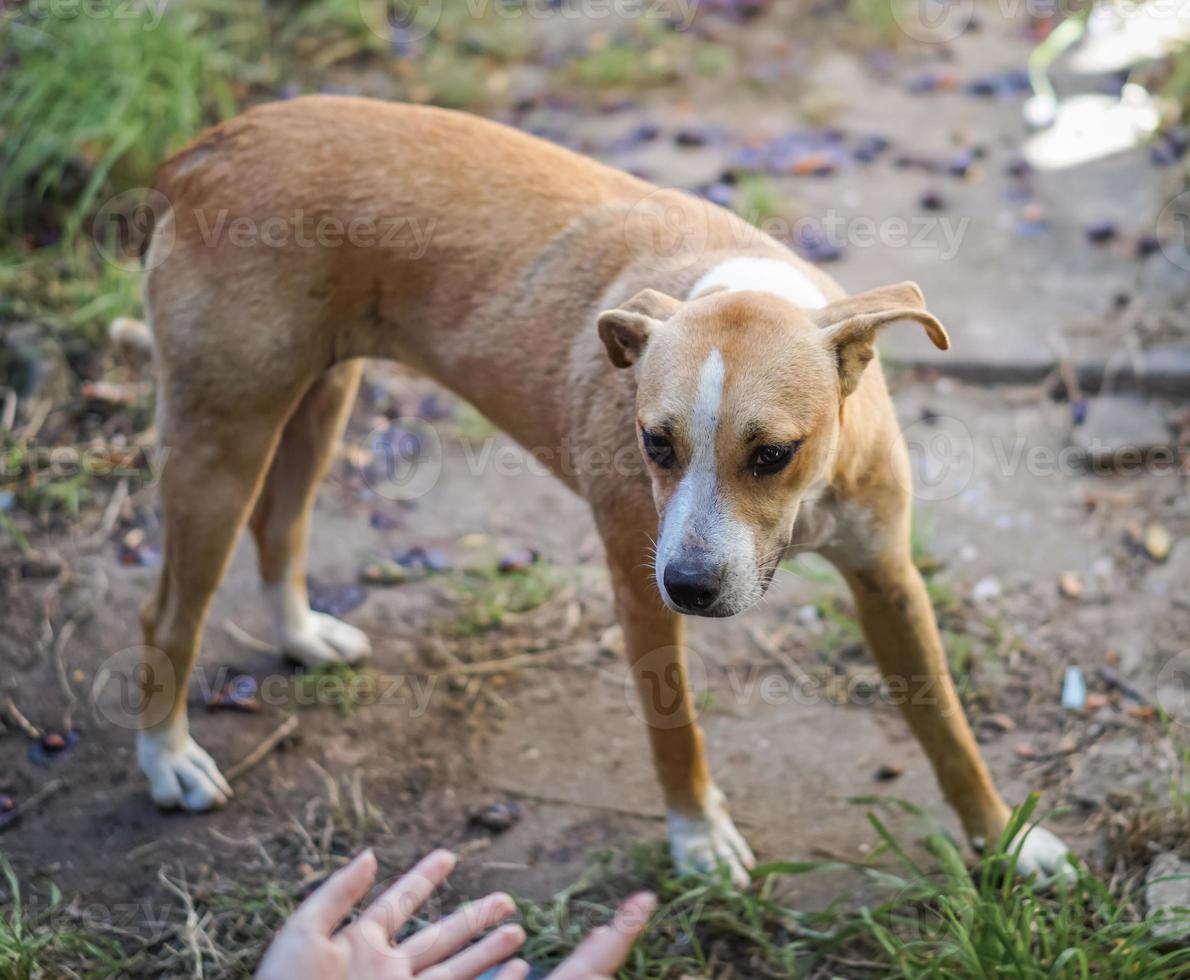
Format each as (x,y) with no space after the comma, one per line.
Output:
(932,201)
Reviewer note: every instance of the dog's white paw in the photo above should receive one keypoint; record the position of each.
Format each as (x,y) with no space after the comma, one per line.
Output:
(181,774)
(710,840)
(321,639)
(1044,854)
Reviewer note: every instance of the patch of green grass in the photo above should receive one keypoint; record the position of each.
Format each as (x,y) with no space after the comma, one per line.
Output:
(945,600)
(757,200)
(710,60)
(703,925)
(961,653)
(842,628)
(943,922)
(73,290)
(951,924)
(45,944)
(620,65)
(150,85)
(934,919)
(338,685)
(489,597)
(876,17)
(812,568)
(470,426)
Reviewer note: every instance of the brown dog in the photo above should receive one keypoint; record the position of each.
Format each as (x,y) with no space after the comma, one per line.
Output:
(747,422)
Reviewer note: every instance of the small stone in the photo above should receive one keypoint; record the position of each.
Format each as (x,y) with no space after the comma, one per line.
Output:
(1000,722)
(1101,232)
(1157,542)
(240,693)
(518,560)
(1118,431)
(1167,897)
(987,590)
(41,565)
(498,817)
(384,572)
(1074,690)
(887,773)
(1070,585)
(808,615)
(611,641)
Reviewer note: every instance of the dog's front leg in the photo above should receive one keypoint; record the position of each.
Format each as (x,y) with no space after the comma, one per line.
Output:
(901,629)
(701,833)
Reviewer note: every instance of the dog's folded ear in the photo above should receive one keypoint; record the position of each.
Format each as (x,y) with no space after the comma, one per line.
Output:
(851,325)
(625,330)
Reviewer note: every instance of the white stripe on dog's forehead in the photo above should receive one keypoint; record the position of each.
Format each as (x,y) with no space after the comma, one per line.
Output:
(707,402)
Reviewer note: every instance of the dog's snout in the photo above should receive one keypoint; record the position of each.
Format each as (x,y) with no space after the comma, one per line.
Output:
(692,586)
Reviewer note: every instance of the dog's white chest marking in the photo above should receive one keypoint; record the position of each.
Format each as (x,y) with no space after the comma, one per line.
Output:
(763,276)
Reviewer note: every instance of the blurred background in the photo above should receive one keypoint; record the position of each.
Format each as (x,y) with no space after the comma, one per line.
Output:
(1023,160)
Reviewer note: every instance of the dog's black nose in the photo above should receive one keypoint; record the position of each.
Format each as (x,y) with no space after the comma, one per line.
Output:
(692,586)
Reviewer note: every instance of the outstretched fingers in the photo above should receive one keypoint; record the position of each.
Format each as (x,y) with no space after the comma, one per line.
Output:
(330,904)
(445,938)
(397,905)
(605,950)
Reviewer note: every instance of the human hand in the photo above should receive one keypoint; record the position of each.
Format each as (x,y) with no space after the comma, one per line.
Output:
(309,948)
(604,951)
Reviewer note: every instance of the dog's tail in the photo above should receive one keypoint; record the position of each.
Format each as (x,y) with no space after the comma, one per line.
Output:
(134,338)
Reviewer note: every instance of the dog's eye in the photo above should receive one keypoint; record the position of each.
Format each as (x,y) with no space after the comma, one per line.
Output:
(771,459)
(659,449)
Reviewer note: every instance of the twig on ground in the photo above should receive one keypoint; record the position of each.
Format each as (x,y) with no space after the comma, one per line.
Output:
(8,415)
(111,513)
(33,802)
(58,652)
(561,801)
(23,723)
(191,929)
(37,415)
(246,639)
(254,758)
(504,664)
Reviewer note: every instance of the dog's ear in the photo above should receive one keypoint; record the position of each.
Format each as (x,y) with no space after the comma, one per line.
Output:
(851,326)
(625,330)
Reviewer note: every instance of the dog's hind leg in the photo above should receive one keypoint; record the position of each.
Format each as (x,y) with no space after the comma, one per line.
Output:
(281,522)
(701,833)
(217,450)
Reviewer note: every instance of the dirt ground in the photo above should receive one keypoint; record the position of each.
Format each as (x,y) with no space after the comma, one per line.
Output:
(796,723)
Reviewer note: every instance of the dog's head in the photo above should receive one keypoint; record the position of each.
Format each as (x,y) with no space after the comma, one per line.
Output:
(739,398)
